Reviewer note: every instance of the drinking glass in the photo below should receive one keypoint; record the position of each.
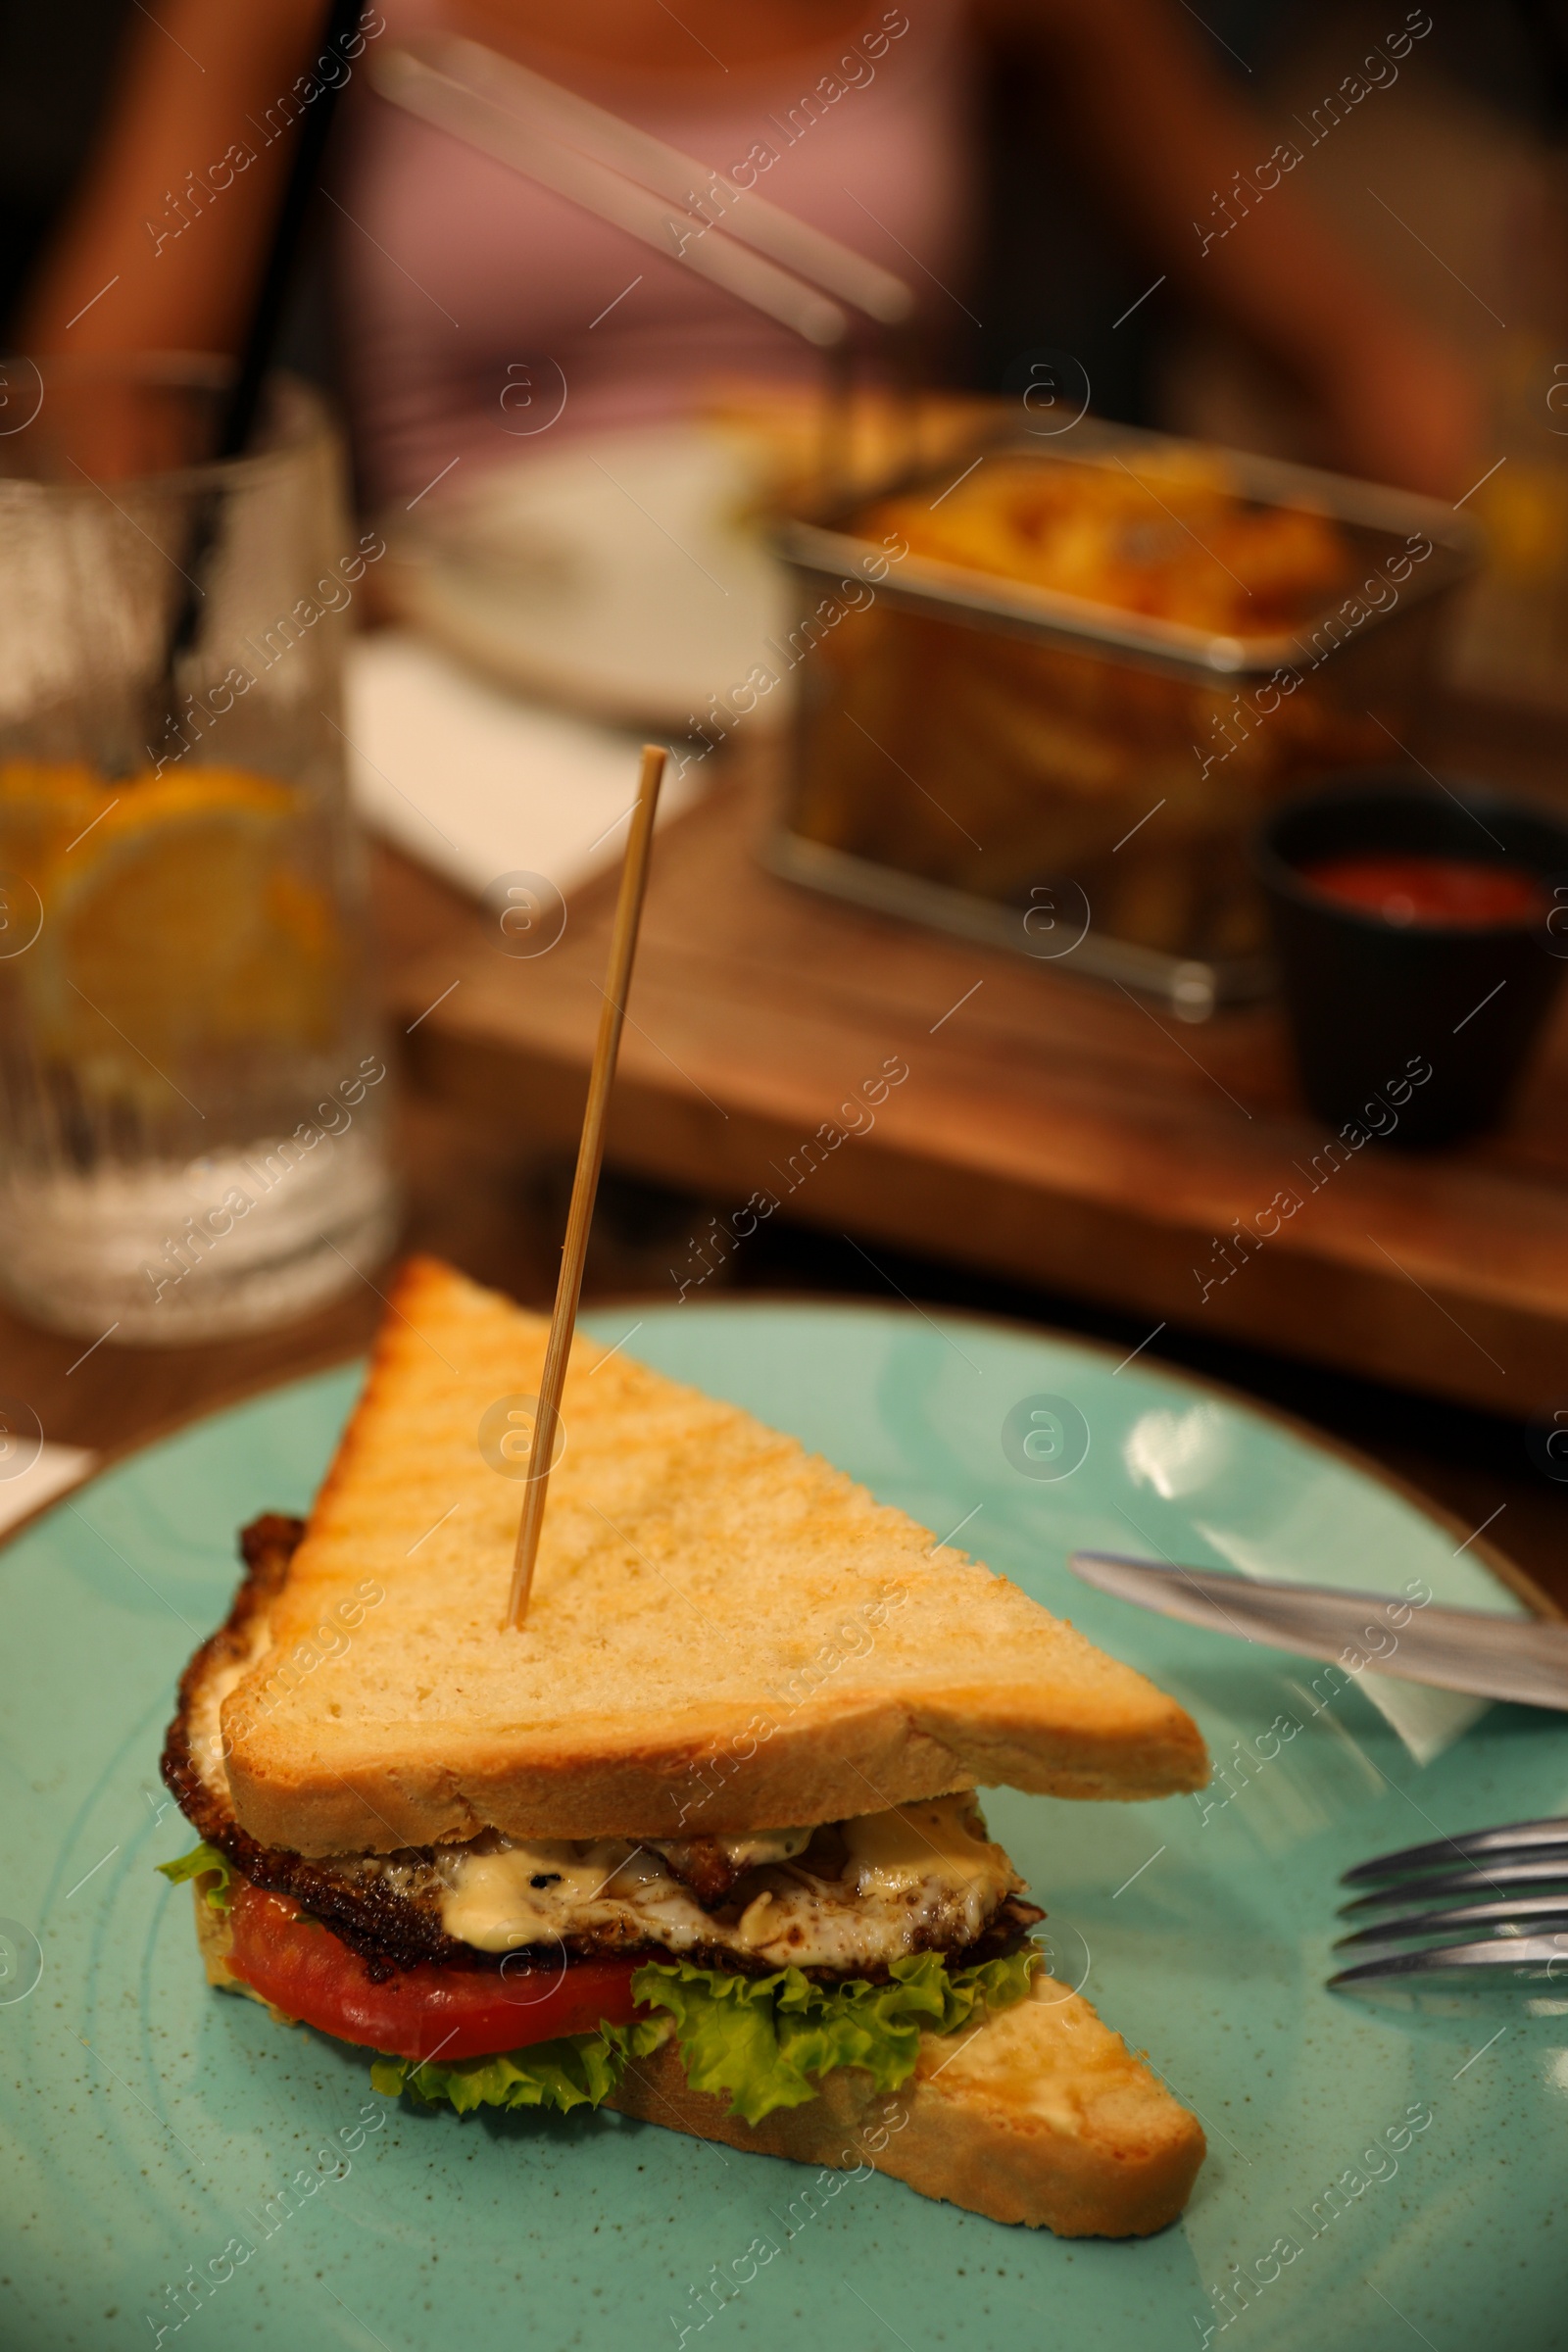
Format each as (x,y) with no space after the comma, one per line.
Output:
(191,1080)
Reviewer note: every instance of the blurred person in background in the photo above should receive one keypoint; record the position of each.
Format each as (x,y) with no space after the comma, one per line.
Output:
(451,271)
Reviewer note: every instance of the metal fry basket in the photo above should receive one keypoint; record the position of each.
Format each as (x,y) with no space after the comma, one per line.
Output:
(1070,778)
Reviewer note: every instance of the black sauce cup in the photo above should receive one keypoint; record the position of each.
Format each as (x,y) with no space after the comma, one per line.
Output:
(1415,1032)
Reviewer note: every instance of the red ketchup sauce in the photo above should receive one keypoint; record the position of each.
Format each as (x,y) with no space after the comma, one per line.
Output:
(1455,894)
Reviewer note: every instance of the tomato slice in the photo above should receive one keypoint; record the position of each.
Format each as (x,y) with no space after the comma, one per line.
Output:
(423,2012)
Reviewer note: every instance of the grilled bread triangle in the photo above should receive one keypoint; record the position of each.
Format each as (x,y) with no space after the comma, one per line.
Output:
(725,1634)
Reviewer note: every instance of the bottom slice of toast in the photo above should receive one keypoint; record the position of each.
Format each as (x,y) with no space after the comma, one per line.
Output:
(1040,2115)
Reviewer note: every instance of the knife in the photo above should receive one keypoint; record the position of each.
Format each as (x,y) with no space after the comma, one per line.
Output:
(1520,1658)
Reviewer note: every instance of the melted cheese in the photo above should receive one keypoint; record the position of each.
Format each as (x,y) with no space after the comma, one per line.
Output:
(747,1854)
(913,1877)
(501,1900)
(904,1853)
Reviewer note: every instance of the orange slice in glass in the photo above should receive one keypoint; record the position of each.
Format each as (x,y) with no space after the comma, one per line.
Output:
(181,923)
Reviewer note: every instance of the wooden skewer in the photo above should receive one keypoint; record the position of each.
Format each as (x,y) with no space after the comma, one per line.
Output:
(590,1152)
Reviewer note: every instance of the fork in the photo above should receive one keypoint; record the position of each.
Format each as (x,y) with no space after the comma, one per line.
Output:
(1500,1891)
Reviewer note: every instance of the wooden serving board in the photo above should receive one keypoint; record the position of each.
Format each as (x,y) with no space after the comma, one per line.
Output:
(1043,1127)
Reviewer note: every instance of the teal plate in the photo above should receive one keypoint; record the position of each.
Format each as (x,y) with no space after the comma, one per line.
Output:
(1382,2172)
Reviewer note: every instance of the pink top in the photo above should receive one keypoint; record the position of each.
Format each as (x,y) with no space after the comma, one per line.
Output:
(458,268)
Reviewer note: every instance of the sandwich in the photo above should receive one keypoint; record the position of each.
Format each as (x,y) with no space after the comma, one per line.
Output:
(700,1841)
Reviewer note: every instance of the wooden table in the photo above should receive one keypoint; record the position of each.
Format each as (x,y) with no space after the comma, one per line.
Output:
(1042,1128)
(949,1184)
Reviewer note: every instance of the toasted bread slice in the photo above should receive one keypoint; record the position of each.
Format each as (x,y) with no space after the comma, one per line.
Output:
(1040,2115)
(725,1634)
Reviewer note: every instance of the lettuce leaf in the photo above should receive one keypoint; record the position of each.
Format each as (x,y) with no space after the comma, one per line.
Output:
(768,2041)
(200,1859)
(580,2070)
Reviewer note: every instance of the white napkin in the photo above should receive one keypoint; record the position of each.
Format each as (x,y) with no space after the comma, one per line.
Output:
(477,783)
